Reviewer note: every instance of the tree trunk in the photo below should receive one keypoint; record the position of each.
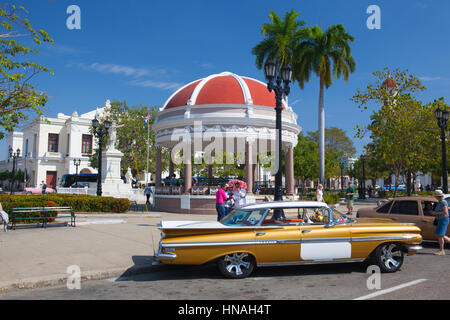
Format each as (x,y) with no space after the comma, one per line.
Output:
(321,135)
(408,183)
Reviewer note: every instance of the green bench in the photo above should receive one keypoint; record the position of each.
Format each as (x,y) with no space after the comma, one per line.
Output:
(66,211)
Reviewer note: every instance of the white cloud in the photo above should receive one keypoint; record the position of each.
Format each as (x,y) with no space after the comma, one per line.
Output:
(137,73)
(115,69)
(429,78)
(157,84)
(294,102)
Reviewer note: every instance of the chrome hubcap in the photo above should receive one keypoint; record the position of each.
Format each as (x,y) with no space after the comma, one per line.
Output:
(391,256)
(235,263)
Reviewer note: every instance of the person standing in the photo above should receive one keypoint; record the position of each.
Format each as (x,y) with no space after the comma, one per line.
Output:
(229,203)
(350,197)
(319,193)
(221,198)
(238,196)
(148,193)
(441,213)
(44,187)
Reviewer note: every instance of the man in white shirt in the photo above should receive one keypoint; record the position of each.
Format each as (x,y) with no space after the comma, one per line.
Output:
(239,196)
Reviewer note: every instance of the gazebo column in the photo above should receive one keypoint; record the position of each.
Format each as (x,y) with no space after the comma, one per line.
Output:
(171,165)
(158,168)
(255,175)
(290,170)
(249,165)
(210,174)
(187,178)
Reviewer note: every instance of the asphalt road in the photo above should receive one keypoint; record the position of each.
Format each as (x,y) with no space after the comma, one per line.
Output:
(423,276)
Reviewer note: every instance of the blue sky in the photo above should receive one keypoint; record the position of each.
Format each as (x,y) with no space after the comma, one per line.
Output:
(142,51)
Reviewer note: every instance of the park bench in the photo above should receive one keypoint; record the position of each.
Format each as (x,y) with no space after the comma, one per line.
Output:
(44,214)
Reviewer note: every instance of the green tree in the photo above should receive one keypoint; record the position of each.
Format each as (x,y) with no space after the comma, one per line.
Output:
(281,39)
(337,145)
(327,54)
(403,131)
(132,137)
(18,96)
(306,159)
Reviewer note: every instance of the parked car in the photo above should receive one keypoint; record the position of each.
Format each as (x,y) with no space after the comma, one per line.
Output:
(391,187)
(80,185)
(309,233)
(406,209)
(38,190)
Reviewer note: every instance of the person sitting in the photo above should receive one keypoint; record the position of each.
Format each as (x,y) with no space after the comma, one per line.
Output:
(428,209)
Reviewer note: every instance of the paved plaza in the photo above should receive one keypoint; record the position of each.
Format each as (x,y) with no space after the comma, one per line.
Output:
(101,245)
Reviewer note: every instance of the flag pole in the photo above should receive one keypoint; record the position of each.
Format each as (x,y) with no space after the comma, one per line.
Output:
(148,145)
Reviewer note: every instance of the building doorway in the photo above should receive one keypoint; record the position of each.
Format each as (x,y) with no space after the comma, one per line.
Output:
(51,179)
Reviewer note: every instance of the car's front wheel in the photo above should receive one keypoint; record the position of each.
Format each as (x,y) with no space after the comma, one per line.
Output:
(236,265)
(389,257)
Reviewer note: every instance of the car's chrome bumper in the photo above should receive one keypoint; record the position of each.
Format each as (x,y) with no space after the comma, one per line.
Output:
(165,256)
(413,249)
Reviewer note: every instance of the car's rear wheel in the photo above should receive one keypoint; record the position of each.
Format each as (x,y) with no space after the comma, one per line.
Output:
(389,257)
(236,265)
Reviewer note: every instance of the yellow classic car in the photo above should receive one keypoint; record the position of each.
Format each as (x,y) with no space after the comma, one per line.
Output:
(308,232)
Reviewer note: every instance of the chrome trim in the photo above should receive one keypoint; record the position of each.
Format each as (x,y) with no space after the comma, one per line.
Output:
(295,263)
(415,248)
(166,256)
(284,241)
(209,244)
(403,237)
(322,240)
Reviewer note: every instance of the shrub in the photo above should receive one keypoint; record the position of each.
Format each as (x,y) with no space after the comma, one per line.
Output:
(8,206)
(79,203)
(331,198)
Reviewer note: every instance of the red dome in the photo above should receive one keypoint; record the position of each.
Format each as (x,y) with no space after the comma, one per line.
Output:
(223,88)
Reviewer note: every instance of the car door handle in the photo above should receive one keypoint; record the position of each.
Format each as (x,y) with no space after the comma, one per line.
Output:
(260,234)
(306,230)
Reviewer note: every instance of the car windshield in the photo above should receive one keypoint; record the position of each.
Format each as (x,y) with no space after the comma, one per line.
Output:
(242,217)
(339,217)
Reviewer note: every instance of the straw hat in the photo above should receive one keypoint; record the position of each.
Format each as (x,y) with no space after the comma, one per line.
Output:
(438,193)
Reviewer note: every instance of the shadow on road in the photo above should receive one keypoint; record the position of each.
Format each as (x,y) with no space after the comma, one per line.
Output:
(144,271)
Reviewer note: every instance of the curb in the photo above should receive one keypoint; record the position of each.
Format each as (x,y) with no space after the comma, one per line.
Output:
(61,279)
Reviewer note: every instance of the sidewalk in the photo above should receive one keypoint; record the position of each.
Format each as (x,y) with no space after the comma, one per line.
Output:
(101,245)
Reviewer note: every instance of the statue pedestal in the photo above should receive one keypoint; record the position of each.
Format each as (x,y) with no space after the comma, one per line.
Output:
(111,166)
(112,184)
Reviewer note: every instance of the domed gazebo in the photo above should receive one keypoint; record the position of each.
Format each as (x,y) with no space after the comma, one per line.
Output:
(226,112)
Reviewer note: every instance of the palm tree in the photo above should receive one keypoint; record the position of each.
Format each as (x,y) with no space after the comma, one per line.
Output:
(328,55)
(281,39)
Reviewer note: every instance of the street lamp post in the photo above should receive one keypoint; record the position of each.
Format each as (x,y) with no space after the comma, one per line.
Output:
(442,118)
(76,163)
(14,156)
(281,89)
(362,189)
(100,131)
(342,166)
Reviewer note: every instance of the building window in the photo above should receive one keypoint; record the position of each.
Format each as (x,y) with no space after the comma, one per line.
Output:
(86,144)
(53,142)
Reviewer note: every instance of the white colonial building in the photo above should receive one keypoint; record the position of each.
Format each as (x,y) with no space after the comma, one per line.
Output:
(48,147)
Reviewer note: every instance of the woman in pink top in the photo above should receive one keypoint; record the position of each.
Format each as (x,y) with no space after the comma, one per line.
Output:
(221,198)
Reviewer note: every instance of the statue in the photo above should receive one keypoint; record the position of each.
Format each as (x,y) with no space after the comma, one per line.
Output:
(129,176)
(112,136)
